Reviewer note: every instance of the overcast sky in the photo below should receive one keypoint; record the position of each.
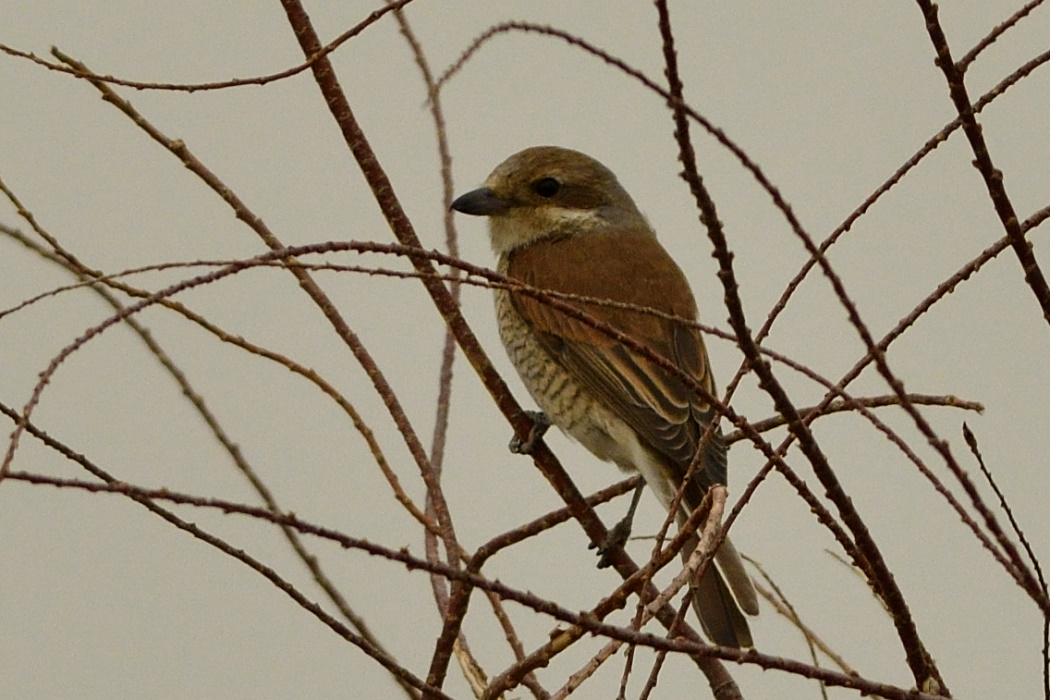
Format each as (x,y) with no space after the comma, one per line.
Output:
(101,599)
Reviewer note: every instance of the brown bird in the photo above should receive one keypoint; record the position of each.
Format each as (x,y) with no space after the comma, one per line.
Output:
(559,220)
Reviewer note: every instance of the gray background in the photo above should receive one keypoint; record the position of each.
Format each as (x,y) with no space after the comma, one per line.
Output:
(98,599)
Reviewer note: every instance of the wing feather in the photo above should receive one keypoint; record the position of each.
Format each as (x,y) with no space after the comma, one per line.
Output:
(668,415)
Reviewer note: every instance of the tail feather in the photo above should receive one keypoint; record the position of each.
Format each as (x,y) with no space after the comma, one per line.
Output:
(719,605)
(732,568)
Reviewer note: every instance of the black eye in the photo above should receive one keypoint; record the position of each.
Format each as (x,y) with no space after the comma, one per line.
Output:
(547,187)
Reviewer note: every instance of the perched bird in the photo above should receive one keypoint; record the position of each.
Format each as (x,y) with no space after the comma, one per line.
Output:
(559,220)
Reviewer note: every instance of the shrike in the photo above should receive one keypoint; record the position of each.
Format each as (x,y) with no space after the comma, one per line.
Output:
(559,220)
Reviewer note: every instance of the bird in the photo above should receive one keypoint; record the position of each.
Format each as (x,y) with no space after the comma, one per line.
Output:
(559,220)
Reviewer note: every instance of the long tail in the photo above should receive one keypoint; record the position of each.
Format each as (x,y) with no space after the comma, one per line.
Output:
(722,597)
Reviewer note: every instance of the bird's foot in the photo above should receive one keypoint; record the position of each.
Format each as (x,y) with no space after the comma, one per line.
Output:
(540,423)
(617,537)
(614,541)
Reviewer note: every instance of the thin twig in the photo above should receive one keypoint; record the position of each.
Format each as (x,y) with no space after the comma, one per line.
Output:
(383,191)
(306,282)
(330,47)
(71,264)
(992,176)
(997,32)
(971,442)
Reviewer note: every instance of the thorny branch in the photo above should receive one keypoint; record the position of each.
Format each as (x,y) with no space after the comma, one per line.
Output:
(443,289)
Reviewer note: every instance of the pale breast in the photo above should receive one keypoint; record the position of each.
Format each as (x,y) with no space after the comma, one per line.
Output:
(570,407)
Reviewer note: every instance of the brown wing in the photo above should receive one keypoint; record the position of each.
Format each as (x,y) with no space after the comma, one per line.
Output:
(629,267)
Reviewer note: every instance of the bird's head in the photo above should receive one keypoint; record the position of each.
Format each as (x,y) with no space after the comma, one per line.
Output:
(549,191)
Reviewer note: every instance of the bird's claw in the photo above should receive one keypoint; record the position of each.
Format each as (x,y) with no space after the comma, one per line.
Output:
(617,537)
(614,541)
(540,423)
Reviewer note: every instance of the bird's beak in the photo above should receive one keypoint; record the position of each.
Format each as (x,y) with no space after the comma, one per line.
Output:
(481,202)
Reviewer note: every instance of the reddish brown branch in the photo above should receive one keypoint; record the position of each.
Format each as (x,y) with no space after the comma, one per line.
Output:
(402,228)
(586,623)
(992,176)
(331,46)
(870,560)
(997,32)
